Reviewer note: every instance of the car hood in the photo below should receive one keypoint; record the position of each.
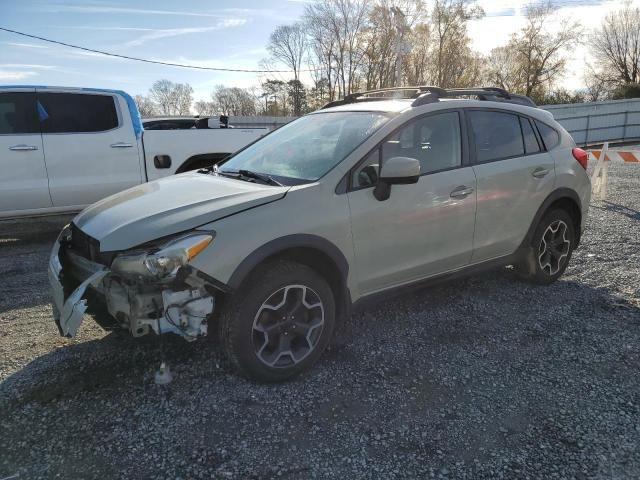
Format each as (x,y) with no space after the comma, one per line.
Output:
(168,206)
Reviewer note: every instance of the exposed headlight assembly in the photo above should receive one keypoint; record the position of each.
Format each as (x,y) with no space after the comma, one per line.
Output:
(166,261)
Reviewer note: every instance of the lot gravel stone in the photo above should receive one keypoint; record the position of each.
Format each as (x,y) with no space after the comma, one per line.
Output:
(482,378)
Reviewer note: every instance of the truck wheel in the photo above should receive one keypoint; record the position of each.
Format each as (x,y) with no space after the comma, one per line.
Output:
(551,248)
(279,323)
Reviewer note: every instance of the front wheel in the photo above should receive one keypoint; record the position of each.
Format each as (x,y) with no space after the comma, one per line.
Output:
(551,248)
(279,323)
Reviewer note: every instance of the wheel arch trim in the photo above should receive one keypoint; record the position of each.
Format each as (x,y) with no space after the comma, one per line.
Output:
(558,194)
(281,245)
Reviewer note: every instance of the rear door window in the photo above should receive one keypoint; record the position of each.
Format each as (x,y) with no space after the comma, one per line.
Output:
(76,112)
(18,113)
(530,140)
(550,137)
(497,135)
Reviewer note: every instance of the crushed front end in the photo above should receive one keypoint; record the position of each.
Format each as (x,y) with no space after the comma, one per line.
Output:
(149,288)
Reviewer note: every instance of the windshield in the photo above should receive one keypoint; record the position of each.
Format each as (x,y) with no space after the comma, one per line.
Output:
(307,148)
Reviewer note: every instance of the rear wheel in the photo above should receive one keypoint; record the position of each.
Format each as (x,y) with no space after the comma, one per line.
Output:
(551,248)
(279,323)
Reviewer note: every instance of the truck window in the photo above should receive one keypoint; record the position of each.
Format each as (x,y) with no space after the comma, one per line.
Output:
(18,113)
(77,112)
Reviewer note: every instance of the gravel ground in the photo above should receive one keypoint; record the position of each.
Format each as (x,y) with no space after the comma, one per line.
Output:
(484,378)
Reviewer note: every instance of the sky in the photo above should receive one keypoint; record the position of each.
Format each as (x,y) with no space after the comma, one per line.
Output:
(229,34)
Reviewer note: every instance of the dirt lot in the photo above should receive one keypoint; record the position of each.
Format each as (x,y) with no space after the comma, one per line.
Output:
(486,377)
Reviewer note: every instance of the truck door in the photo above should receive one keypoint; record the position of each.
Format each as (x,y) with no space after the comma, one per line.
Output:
(23,176)
(91,148)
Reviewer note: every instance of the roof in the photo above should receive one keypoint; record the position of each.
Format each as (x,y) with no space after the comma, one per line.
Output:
(399,105)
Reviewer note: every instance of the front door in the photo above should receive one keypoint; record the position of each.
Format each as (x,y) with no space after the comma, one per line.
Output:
(422,229)
(91,149)
(23,175)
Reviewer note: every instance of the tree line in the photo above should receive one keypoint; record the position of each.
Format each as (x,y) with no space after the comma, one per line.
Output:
(340,47)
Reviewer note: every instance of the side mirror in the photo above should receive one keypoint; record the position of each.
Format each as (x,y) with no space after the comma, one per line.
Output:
(396,171)
(213,122)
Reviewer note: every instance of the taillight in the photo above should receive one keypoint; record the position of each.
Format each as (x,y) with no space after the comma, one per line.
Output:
(581,156)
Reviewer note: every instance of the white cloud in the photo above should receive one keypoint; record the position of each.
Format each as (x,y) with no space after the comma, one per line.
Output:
(125,10)
(26,65)
(13,75)
(25,45)
(157,34)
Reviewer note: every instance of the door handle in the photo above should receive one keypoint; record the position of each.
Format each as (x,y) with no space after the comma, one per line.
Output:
(461,192)
(540,172)
(23,148)
(121,145)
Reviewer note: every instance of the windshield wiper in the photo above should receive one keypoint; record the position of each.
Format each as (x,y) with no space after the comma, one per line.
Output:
(260,176)
(249,174)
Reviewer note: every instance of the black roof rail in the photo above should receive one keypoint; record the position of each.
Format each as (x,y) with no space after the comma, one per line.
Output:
(381,94)
(424,94)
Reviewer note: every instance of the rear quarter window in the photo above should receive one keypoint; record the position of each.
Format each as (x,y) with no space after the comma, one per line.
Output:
(550,136)
(77,113)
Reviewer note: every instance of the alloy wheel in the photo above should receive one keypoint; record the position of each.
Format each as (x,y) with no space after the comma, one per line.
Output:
(554,248)
(288,326)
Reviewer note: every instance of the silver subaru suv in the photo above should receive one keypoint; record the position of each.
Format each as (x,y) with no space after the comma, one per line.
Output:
(271,249)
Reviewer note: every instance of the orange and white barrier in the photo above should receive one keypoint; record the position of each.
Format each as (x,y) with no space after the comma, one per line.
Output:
(628,156)
(600,174)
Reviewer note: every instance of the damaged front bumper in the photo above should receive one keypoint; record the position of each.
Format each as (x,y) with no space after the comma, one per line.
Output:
(181,307)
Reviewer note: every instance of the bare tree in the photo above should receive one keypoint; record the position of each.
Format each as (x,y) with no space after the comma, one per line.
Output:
(542,54)
(503,69)
(336,28)
(288,44)
(535,58)
(417,65)
(233,101)
(204,108)
(146,107)
(449,25)
(597,85)
(387,39)
(171,98)
(615,44)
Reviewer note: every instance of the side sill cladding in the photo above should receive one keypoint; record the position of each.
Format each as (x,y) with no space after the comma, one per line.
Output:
(559,194)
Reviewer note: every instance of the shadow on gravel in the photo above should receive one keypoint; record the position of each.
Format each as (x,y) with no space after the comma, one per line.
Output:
(106,365)
(617,208)
(112,364)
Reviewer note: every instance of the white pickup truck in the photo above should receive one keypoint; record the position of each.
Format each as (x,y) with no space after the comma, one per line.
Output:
(62,149)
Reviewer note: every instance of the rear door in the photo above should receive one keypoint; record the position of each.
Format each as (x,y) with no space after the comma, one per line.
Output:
(514,175)
(23,175)
(91,148)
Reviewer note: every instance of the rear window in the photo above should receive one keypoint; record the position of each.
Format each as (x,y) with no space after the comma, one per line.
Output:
(497,135)
(550,137)
(18,113)
(76,112)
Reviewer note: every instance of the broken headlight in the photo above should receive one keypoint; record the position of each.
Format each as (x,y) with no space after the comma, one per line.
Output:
(166,261)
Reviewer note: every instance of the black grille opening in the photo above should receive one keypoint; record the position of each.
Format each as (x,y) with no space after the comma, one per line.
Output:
(88,247)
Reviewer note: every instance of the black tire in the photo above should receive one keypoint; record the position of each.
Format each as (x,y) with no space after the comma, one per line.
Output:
(539,267)
(250,308)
